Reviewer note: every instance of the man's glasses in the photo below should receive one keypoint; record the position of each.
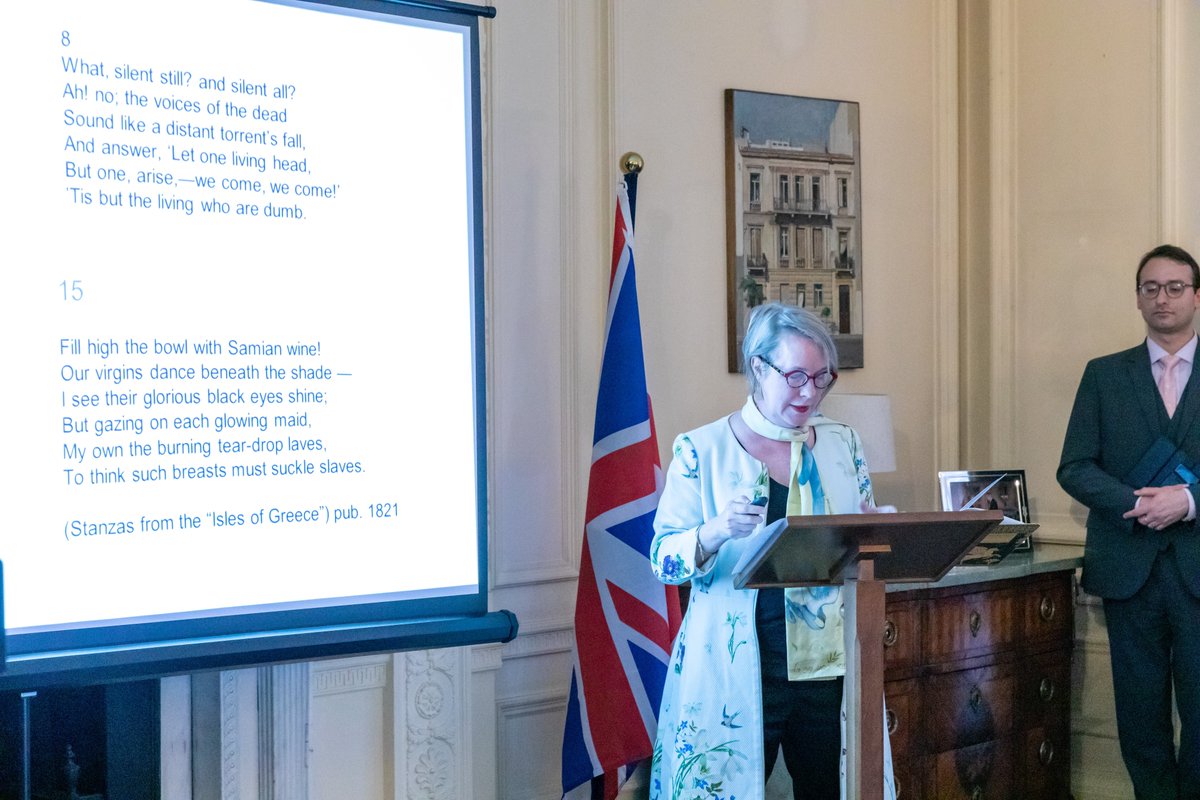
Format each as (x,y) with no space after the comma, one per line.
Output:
(1150,289)
(798,377)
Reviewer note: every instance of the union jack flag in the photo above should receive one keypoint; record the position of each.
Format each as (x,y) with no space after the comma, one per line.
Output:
(625,619)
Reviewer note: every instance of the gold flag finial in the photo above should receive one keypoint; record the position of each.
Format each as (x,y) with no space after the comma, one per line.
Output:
(631,162)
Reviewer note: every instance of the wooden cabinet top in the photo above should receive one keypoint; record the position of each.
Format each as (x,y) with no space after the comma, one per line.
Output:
(1042,559)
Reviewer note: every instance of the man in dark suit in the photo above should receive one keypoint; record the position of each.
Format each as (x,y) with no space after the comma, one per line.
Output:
(1143,543)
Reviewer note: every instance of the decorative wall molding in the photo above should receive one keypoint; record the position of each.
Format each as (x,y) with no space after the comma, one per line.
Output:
(342,678)
(231,740)
(1095,726)
(1002,47)
(947,294)
(540,644)
(175,737)
(561,619)
(283,719)
(519,705)
(570,527)
(1170,92)
(1092,647)
(434,725)
(512,746)
(558,554)
(487,657)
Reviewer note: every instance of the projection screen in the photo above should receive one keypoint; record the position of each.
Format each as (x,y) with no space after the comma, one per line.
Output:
(243,310)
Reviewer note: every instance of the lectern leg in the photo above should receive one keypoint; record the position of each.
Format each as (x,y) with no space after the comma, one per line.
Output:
(865,613)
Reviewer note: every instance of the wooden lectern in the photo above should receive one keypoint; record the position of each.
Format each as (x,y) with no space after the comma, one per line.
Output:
(863,552)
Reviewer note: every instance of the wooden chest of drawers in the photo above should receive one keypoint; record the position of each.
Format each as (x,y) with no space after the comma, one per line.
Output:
(978,689)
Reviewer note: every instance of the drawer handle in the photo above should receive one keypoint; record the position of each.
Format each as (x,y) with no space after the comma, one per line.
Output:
(1047,608)
(1046,752)
(893,722)
(891,633)
(977,792)
(975,699)
(974,621)
(1046,690)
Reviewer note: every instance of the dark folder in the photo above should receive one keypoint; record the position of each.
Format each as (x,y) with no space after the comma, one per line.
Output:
(1164,464)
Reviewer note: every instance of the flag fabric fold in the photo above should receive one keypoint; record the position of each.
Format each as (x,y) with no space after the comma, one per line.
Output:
(625,619)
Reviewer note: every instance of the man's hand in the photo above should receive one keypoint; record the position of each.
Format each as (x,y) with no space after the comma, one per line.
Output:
(1159,506)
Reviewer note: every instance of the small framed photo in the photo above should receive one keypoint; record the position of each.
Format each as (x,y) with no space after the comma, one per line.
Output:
(997,489)
(986,489)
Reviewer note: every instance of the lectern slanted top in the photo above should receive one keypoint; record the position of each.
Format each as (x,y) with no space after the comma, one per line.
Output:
(914,547)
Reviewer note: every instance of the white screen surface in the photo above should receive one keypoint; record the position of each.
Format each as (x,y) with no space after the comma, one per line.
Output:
(239,311)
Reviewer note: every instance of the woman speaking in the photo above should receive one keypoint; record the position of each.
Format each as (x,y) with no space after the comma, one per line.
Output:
(754,670)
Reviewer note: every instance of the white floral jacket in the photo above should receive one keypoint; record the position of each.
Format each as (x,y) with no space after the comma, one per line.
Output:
(709,743)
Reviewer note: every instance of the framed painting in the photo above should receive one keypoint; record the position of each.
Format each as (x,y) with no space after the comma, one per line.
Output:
(794,213)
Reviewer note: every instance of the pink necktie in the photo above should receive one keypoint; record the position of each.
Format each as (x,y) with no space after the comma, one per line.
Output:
(1166,383)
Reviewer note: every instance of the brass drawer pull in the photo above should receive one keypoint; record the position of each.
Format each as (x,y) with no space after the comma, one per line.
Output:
(893,722)
(1046,752)
(1046,690)
(891,634)
(975,699)
(974,621)
(1047,608)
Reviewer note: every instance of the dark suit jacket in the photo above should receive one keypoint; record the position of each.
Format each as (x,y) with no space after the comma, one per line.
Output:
(1118,415)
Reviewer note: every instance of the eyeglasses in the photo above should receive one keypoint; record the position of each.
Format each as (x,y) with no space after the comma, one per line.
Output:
(1150,289)
(798,377)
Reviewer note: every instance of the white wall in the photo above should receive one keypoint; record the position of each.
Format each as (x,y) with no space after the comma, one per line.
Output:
(673,63)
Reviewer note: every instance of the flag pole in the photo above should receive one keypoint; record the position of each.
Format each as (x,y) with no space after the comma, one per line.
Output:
(625,619)
(631,165)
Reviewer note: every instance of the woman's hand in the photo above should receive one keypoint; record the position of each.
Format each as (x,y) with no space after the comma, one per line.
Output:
(738,520)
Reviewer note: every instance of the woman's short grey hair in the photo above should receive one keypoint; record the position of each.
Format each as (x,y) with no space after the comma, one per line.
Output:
(770,323)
